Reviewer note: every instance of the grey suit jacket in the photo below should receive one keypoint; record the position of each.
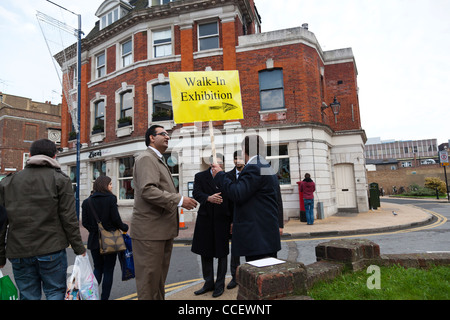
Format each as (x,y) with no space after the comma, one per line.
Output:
(155,211)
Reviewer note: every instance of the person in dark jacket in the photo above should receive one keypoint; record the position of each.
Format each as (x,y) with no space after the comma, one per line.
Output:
(212,230)
(41,223)
(105,205)
(308,187)
(235,261)
(258,218)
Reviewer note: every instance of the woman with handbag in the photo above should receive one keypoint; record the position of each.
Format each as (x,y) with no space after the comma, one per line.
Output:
(101,206)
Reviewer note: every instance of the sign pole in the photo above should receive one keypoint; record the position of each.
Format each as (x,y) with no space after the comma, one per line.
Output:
(213,144)
(446,183)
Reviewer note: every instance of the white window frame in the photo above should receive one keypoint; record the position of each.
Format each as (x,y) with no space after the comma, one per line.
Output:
(157,2)
(109,18)
(278,157)
(216,35)
(162,44)
(100,70)
(128,55)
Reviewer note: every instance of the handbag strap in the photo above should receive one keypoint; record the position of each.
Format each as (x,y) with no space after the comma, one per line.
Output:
(93,210)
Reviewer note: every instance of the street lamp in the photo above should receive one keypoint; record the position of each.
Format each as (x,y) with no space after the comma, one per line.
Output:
(335,106)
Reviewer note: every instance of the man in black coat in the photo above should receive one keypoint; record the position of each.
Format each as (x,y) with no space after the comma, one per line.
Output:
(257,221)
(212,230)
(234,175)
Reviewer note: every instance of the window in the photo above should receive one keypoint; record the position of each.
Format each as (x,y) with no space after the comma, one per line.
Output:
(126,187)
(162,43)
(278,156)
(160,2)
(101,65)
(73,178)
(109,18)
(127,53)
(162,102)
(172,163)
(208,36)
(30,133)
(98,169)
(271,89)
(99,120)
(126,104)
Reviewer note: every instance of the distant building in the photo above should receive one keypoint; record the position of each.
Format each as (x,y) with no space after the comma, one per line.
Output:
(288,83)
(23,121)
(411,153)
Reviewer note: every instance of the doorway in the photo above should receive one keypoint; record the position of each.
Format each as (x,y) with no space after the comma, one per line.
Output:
(345,186)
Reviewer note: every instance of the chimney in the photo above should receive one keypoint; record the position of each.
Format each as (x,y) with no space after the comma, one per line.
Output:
(305,26)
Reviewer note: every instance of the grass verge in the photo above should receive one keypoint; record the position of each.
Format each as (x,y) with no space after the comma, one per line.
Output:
(396,283)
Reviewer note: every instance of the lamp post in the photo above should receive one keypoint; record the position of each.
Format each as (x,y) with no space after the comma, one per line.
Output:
(79,33)
(335,106)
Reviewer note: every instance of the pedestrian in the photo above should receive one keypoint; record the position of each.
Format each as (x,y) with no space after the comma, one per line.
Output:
(257,226)
(235,261)
(41,224)
(104,202)
(308,187)
(155,221)
(212,230)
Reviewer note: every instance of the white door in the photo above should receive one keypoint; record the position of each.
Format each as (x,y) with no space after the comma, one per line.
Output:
(345,186)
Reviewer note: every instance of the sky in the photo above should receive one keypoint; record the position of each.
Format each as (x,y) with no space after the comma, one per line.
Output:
(401,48)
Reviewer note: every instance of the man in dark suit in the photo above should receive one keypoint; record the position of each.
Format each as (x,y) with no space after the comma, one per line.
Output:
(234,175)
(256,196)
(212,229)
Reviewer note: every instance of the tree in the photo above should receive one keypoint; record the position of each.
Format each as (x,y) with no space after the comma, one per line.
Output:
(434,182)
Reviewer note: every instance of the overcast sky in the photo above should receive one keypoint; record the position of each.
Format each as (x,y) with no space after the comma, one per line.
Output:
(401,47)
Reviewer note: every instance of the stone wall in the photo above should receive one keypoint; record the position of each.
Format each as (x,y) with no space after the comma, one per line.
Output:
(292,280)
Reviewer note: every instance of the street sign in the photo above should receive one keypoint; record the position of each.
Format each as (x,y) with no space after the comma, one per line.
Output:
(443,158)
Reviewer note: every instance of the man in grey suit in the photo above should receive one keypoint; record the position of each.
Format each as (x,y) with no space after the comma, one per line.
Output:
(155,220)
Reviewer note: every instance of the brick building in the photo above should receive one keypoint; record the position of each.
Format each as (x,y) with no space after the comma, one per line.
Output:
(23,121)
(287,84)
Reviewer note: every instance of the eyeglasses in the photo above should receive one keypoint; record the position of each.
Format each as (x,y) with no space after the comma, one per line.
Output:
(164,134)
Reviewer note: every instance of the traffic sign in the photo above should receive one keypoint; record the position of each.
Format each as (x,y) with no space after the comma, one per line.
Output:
(443,158)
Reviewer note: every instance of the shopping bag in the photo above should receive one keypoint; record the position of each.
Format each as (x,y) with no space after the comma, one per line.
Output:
(82,284)
(8,290)
(126,260)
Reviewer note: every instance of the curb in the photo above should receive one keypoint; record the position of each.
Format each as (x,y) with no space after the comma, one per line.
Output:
(305,235)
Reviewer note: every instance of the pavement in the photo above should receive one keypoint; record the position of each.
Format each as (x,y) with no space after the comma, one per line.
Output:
(341,224)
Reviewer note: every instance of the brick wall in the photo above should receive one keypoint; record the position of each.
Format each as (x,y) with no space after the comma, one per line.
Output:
(404,177)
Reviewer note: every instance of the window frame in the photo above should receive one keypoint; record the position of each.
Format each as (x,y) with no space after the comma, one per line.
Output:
(161,102)
(96,117)
(274,88)
(127,178)
(278,157)
(155,45)
(100,68)
(122,110)
(128,55)
(209,36)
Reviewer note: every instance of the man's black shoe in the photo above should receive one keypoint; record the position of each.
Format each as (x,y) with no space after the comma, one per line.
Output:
(217,292)
(232,284)
(203,291)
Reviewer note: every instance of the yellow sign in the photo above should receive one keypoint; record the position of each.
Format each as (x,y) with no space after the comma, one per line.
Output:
(206,96)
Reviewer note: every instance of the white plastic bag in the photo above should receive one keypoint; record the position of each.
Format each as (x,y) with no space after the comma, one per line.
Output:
(82,284)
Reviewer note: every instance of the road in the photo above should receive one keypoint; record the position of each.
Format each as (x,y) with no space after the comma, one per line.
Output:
(185,267)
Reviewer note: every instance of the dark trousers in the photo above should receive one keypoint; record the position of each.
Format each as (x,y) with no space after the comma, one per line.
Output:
(235,261)
(104,271)
(208,272)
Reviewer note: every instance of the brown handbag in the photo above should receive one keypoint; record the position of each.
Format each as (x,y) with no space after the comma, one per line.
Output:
(109,241)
